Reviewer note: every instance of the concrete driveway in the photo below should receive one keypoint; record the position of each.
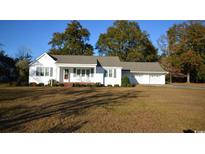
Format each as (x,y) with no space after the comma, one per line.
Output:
(180,86)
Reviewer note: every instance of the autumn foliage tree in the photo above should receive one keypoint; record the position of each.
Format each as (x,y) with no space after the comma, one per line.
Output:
(185,41)
(126,40)
(172,65)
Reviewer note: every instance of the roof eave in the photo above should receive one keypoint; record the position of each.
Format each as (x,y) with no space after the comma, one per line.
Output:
(160,72)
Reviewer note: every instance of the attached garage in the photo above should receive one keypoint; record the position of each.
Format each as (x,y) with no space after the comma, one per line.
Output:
(144,72)
(150,78)
(157,79)
(142,78)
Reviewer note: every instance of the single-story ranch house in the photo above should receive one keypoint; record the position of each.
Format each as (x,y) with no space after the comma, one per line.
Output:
(93,69)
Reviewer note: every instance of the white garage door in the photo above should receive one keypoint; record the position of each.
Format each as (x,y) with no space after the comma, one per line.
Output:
(142,78)
(150,78)
(154,79)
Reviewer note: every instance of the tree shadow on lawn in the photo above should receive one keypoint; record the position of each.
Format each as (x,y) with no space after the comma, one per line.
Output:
(60,128)
(33,93)
(66,108)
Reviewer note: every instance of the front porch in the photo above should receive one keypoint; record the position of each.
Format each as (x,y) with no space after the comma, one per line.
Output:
(76,74)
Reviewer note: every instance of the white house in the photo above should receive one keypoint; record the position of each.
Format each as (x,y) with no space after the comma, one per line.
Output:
(93,69)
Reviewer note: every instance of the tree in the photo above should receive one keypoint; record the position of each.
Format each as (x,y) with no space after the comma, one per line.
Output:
(24,53)
(187,36)
(201,73)
(187,42)
(172,65)
(73,41)
(22,65)
(126,40)
(190,61)
(162,43)
(7,67)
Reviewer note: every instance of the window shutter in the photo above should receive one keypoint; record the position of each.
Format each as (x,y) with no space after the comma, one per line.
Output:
(74,72)
(51,71)
(114,73)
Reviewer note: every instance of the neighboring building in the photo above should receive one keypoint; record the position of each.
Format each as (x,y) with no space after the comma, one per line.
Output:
(93,69)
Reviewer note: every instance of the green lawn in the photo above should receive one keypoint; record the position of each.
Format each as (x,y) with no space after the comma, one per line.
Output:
(103,109)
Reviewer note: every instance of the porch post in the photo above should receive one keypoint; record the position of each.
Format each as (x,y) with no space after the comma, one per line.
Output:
(58,74)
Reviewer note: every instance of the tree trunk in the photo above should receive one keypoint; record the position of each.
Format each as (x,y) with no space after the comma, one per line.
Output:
(170,78)
(188,77)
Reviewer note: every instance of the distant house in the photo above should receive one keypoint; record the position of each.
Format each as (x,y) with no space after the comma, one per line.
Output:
(93,69)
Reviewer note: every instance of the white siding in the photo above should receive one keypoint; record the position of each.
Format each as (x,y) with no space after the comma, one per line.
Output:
(145,78)
(157,78)
(142,78)
(112,80)
(44,61)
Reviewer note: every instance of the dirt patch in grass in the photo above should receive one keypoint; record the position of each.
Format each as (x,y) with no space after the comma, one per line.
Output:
(138,109)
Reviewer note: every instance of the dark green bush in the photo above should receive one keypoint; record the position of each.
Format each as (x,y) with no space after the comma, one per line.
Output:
(22,83)
(109,85)
(53,83)
(93,85)
(133,85)
(61,84)
(76,85)
(87,85)
(125,81)
(98,84)
(90,85)
(33,84)
(83,85)
(116,85)
(41,84)
(13,84)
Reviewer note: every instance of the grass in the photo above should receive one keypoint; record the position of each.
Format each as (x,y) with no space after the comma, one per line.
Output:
(107,109)
(190,84)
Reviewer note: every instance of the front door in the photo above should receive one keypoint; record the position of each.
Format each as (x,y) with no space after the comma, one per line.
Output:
(66,75)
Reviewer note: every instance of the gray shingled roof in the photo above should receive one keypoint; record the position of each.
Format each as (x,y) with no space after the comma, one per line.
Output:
(74,59)
(142,66)
(109,61)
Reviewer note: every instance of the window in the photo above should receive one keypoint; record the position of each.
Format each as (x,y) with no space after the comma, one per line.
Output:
(83,72)
(92,72)
(110,72)
(41,71)
(114,73)
(46,71)
(74,72)
(87,73)
(66,73)
(105,73)
(38,71)
(78,72)
(51,71)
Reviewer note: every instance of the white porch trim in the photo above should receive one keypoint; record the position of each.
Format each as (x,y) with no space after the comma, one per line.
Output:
(149,72)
